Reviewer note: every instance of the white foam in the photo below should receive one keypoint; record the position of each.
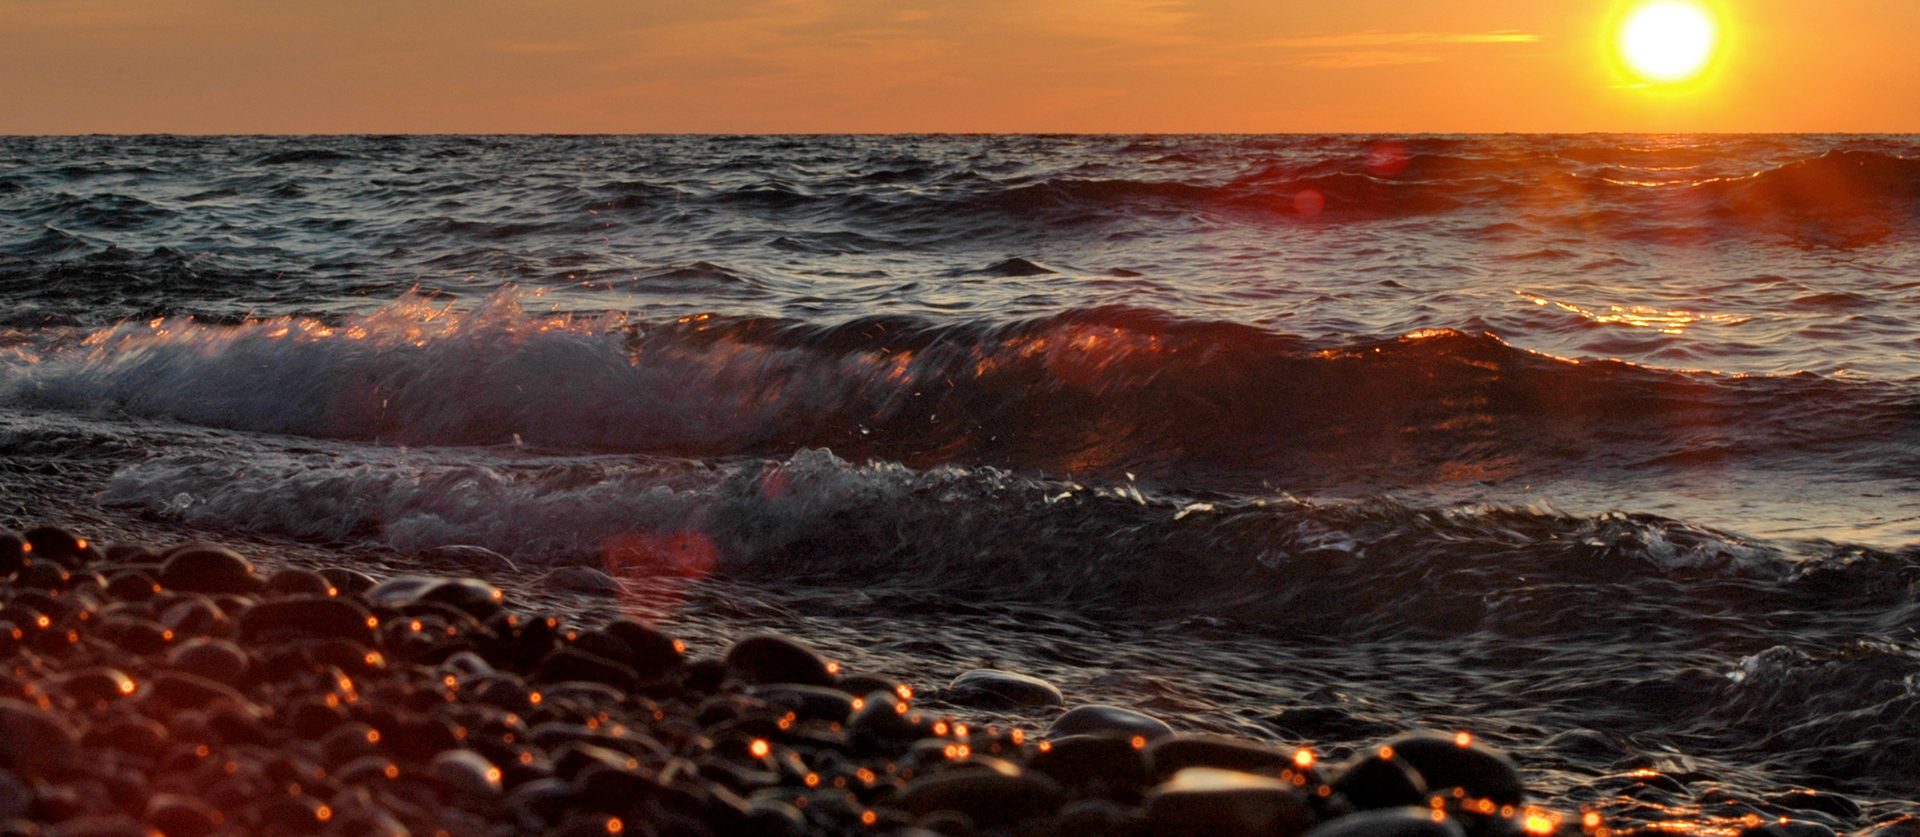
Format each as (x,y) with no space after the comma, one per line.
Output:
(418,373)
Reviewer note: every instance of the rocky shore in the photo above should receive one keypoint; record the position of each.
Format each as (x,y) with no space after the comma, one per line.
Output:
(186,692)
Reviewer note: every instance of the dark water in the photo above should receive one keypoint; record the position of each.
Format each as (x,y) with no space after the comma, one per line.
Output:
(1602,447)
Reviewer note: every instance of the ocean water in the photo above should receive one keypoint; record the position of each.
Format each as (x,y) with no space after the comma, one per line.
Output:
(1603,448)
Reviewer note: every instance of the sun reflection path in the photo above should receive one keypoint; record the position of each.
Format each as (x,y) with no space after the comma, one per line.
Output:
(1663,320)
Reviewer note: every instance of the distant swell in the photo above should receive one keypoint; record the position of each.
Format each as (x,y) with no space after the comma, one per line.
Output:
(1103,392)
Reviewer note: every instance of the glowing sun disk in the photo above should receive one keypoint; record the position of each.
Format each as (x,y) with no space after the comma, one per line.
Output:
(1668,40)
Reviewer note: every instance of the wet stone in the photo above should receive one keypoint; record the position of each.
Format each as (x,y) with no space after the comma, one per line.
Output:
(1170,755)
(43,575)
(566,663)
(1100,718)
(653,652)
(1208,802)
(348,580)
(205,568)
(1381,780)
(992,688)
(51,543)
(582,580)
(467,772)
(297,581)
(179,815)
(132,586)
(772,658)
(989,799)
(13,552)
(1103,765)
(214,659)
(1459,761)
(33,740)
(1390,822)
(316,616)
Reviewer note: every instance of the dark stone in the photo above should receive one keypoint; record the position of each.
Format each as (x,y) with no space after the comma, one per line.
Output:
(884,716)
(1171,755)
(314,616)
(1445,762)
(136,734)
(52,543)
(43,575)
(807,702)
(293,580)
(653,652)
(13,552)
(34,741)
(992,688)
(1097,818)
(1381,780)
(348,580)
(1100,765)
(110,825)
(178,815)
(288,814)
(1390,822)
(567,663)
(772,658)
(196,616)
(132,586)
(214,659)
(183,690)
(1208,802)
(93,685)
(473,596)
(130,553)
(988,798)
(136,636)
(467,772)
(1099,718)
(205,568)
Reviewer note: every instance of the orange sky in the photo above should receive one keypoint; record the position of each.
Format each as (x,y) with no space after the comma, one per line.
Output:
(437,66)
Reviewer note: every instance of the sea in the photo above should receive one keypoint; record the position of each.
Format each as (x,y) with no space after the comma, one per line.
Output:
(1602,448)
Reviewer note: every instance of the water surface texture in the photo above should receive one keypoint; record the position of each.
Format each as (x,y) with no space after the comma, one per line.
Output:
(1603,447)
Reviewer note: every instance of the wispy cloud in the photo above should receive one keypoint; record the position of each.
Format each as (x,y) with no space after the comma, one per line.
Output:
(1384,49)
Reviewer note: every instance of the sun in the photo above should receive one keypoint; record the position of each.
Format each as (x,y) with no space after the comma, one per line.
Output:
(1668,41)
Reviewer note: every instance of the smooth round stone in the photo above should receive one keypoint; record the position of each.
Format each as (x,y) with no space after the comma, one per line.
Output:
(110,825)
(1474,767)
(214,659)
(1104,765)
(137,636)
(196,617)
(883,715)
(13,552)
(97,684)
(43,575)
(15,796)
(348,581)
(1175,753)
(1381,781)
(293,581)
(652,650)
(582,580)
(568,663)
(315,616)
(470,595)
(178,815)
(807,702)
(1099,718)
(33,740)
(989,798)
(205,568)
(466,771)
(1208,802)
(132,587)
(131,553)
(401,591)
(51,543)
(1407,821)
(773,658)
(993,688)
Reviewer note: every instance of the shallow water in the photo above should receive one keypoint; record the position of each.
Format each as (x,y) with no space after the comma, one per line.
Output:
(1598,446)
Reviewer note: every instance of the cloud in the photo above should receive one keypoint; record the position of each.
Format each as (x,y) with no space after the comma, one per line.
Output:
(1385,49)
(1389,39)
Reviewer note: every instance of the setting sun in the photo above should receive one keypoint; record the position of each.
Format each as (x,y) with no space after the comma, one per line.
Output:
(1668,41)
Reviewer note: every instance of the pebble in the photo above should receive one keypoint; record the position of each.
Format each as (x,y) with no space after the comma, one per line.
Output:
(773,658)
(1390,822)
(1209,802)
(211,703)
(993,688)
(1459,761)
(203,568)
(1100,718)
